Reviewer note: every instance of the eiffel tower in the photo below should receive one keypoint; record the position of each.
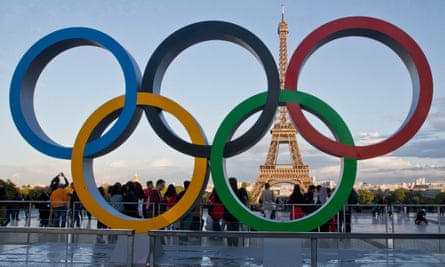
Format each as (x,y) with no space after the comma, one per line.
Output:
(283,132)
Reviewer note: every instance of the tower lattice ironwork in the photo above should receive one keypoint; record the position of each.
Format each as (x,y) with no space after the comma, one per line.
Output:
(283,132)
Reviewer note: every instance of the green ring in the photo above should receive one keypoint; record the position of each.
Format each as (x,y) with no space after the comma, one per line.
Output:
(242,213)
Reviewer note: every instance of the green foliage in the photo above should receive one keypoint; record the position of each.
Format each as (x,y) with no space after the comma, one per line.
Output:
(10,187)
(440,198)
(31,192)
(399,194)
(179,188)
(365,197)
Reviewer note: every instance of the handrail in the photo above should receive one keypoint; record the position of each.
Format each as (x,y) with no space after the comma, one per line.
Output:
(312,236)
(318,235)
(58,230)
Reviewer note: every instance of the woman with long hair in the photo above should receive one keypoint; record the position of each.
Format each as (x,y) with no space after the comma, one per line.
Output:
(295,199)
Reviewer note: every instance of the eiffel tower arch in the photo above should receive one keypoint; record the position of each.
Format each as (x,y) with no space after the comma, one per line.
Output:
(273,173)
(283,132)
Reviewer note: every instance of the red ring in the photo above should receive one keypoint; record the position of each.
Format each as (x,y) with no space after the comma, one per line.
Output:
(393,37)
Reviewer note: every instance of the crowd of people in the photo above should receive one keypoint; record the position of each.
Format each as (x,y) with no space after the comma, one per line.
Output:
(60,206)
(10,207)
(220,218)
(304,203)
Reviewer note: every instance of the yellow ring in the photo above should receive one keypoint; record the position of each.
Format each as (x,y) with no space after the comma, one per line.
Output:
(83,177)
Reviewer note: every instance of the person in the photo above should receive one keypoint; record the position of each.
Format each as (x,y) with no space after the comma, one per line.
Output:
(101,225)
(308,200)
(345,212)
(170,200)
(15,206)
(55,182)
(231,221)
(44,207)
(115,193)
(140,196)
(59,204)
(157,205)
(380,206)
(187,219)
(296,198)
(243,196)
(4,215)
(147,192)
(116,197)
(27,207)
(75,207)
(197,221)
(267,200)
(322,199)
(420,217)
(315,198)
(130,200)
(102,193)
(333,222)
(170,196)
(216,210)
(374,208)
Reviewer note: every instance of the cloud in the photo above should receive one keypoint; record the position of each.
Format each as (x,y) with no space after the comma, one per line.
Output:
(384,163)
(326,173)
(119,164)
(369,138)
(436,120)
(162,162)
(392,169)
(34,174)
(427,144)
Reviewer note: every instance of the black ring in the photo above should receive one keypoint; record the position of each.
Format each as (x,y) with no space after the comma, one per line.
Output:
(177,42)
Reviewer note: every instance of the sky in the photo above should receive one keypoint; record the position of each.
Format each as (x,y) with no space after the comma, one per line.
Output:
(363,80)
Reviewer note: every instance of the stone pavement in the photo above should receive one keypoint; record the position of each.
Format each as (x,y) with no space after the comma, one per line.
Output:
(214,253)
(91,250)
(253,252)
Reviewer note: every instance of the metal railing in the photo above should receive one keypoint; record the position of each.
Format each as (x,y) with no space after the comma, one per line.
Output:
(387,227)
(435,212)
(312,236)
(382,214)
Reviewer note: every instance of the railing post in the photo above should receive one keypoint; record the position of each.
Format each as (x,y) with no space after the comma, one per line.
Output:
(151,254)
(439,207)
(386,225)
(392,218)
(344,218)
(28,219)
(313,252)
(130,249)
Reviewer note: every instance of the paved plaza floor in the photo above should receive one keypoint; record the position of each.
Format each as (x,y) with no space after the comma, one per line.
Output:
(92,250)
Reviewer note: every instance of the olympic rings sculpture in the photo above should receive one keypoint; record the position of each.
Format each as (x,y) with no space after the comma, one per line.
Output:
(142,96)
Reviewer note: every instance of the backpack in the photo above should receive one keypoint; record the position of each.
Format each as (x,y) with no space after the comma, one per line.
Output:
(217,212)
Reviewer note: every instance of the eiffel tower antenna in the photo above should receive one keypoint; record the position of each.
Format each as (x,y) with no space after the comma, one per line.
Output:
(283,132)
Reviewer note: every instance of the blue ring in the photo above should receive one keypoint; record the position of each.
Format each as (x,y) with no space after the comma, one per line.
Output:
(31,66)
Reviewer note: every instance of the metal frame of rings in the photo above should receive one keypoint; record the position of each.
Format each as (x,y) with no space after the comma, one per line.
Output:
(142,96)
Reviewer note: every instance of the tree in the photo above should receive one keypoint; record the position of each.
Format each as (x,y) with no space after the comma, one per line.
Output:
(10,187)
(399,194)
(365,197)
(439,198)
(31,192)
(249,194)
